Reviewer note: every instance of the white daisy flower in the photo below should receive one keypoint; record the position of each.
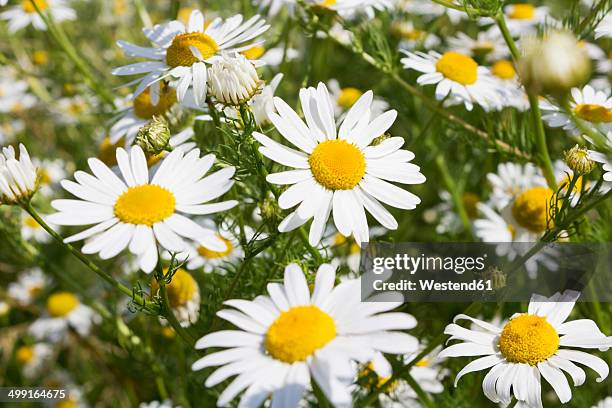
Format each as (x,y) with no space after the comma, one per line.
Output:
(262,104)
(32,231)
(9,130)
(343,100)
(445,213)
(457,75)
(64,311)
(14,95)
(28,286)
(531,346)
(50,173)
(605,161)
(24,14)
(233,79)
(18,178)
(605,403)
(512,93)
(339,171)
(511,180)
(138,212)
(411,37)
(604,28)
(184,51)
(521,18)
(156,404)
(489,44)
(431,10)
(70,110)
(293,335)
(594,107)
(31,359)
(183,295)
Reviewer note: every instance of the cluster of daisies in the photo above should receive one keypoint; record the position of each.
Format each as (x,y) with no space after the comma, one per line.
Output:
(155,196)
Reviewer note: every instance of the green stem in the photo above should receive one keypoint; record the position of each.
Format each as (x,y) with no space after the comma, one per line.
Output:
(312,250)
(536,114)
(455,194)
(139,300)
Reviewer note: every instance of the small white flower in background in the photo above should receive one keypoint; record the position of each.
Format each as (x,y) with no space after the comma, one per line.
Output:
(411,37)
(553,64)
(512,179)
(339,171)
(18,178)
(531,346)
(14,95)
(291,335)
(343,100)
(183,296)
(512,93)
(604,28)
(262,104)
(70,110)
(521,18)
(32,358)
(156,404)
(32,231)
(457,75)
(605,403)
(587,104)
(28,286)
(64,311)
(606,161)
(431,10)
(233,80)
(488,44)
(50,173)
(444,214)
(184,51)
(24,14)
(137,212)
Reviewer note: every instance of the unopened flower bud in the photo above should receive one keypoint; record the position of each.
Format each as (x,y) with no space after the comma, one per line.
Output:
(554,64)
(578,159)
(233,80)
(18,178)
(497,277)
(154,137)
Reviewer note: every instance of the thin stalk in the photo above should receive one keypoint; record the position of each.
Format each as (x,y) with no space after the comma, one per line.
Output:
(455,194)
(139,300)
(143,14)
(536,114)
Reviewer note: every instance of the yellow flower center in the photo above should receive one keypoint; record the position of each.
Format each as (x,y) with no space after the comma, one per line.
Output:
(422,363)
(34,290)
(503,69)
(522,11)
(337,164)
(144,109)
(107,153)
(179,53)
(297,333)
(28,5)
(207,253)
(458,67)
(348,97)
(470,202)
(528,339)
(24,354)
(530,209)
(30,222)
(67,403)
(40,57)
(254,53)
(181,289)
(328,3)
(483,48)
(374,381)
(61,304)
(593,113)
(147,204)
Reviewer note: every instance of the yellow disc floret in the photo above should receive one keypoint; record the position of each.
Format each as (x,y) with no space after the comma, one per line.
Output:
(348,97)
(593,113)
(523,11)
(144,109)
(528,339)
(503,69)
(181,289)
(458,67)
(147,204)
(328,3)
(530,209)
(61,304)
(29,6)
(179,53)
(254,52)
(337,164)
(297,333)
(210,254)
(24,354)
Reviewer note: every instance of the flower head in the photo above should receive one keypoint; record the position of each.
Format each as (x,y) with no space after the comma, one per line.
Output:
(233,80)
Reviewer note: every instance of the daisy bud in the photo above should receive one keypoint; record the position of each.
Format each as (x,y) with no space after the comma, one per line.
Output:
(554,64)
(497,277)
(233,80)
(18,178)
(579,160)
(154,137)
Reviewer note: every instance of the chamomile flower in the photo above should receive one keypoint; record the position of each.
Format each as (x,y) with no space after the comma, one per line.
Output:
(339,171)
(23,14)
(156,404)
(593,107)
(521,18)
(137,211)
(511,180)
(531,346)
(605,161)
(32,231)
(64,311)
(233,80)
(604,28)
(431,10)
(28,286)
(411,37)
(605,403)
(14,95)
(183,51)
(70,110)
(50,173)
(262,104)
(183,296)
(488,44)
(32,358)
(445,214)
(285,339)
(457,75)
(343,100)
(18,178)
(512,93)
